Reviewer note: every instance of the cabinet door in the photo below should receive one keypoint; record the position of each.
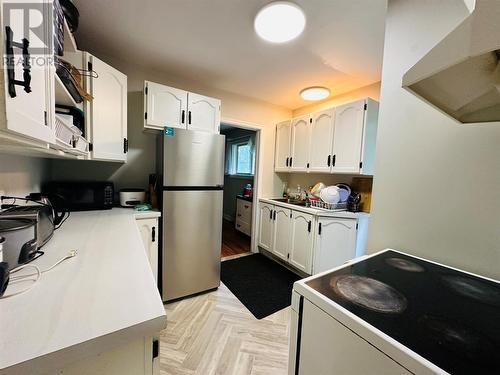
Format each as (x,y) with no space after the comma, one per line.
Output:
(321,141)
(149,234)
(300,143)
(203,113)
(108,112)
(282,151)
(282,232)
(301,244)
(348,137)
(164,106)
(266,226)
(27,112)
(335,243)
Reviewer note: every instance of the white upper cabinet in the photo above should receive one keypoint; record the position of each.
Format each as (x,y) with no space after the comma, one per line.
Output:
(300,144)
(107,114)
(348,140)
(335,243)
(321,141)
(301,244)
(336,140)
(282,154)
(164,106)
(26,106)
(282,232)
(203,113)
(266,226)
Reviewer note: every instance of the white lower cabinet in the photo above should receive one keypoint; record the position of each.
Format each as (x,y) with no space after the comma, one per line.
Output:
(139,357)
(288,234)
(301,244)
(310,242)
(335,242)
(282,231)
(149,234)
(266,226)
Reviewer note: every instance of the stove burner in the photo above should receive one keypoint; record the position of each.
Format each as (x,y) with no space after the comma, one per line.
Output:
(458,339)
(369,293)
(404,265)
(479,290)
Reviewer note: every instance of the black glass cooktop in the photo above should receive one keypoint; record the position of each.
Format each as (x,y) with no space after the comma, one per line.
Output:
(450,318)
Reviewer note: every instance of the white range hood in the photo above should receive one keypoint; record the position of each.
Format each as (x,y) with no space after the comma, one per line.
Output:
(461,74)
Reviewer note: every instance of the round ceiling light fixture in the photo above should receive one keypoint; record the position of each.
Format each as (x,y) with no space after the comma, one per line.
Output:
(280,22)
(315,93)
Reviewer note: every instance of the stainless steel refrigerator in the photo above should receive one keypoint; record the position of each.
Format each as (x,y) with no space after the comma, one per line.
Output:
(192,176)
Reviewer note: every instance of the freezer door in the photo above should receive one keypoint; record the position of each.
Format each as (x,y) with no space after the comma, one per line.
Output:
(192,230)
(192,158)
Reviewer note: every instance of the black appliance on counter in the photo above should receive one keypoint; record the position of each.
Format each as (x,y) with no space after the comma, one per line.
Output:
(82,195)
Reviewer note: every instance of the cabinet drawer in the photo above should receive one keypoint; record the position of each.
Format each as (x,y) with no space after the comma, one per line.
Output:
(243,227)
(244,211)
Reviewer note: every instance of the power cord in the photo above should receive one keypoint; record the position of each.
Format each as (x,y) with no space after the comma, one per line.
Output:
(39,272)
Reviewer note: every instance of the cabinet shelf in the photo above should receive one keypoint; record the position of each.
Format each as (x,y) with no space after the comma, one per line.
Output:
(62,94)
(69,39)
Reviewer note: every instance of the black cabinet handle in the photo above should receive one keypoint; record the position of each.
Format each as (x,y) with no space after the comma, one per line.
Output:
(11,77)
(319,229)
(271,214)
(329,160)
(274,215)
(183,116)
(153,234)
(334,157)
(307,166)
(125,145)
(309,226)
(246,206)
(291,161)
(189,117)
(287,161)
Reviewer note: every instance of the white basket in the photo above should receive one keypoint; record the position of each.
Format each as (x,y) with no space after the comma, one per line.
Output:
(80,143)
(329,206)
(64,131)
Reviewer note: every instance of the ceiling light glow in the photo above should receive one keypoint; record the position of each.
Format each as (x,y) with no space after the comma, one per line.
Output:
(315,93)
(280,22)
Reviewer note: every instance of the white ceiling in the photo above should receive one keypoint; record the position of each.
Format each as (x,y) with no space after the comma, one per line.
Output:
(213,42)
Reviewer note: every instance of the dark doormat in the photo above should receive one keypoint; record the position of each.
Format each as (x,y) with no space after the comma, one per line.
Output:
(261,284)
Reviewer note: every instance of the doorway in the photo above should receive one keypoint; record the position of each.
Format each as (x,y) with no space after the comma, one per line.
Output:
(239,187)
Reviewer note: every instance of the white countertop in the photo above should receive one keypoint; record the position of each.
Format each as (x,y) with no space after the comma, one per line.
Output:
(317,211)
(153,214)
(103,297)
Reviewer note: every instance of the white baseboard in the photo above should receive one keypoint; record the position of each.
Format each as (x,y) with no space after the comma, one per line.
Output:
(228,217)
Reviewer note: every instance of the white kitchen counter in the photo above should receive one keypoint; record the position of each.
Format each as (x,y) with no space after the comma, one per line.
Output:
(153,214)
(102,298)
(317,211)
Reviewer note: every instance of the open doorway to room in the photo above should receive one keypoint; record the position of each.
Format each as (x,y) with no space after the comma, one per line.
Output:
(239,184)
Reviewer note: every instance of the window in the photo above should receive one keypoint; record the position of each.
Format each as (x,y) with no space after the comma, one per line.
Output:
(240,157)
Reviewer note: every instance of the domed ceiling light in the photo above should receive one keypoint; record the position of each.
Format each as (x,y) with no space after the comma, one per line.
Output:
(280,22)
(315,93)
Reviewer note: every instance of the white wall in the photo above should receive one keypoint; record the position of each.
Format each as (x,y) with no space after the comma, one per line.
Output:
(141,157)
(437,184)
(20,175)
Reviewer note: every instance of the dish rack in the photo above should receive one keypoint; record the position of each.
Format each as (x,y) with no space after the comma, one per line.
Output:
(329,206)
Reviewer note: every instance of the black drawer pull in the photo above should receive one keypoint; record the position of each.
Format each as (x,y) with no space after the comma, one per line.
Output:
(309,226)
(183,116)
(319,229)
(153,234)
(334,157)
(329,161)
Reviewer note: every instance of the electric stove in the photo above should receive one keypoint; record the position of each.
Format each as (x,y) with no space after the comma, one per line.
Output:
(448,317)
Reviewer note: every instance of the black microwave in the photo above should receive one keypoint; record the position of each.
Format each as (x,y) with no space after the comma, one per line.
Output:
(82,195)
